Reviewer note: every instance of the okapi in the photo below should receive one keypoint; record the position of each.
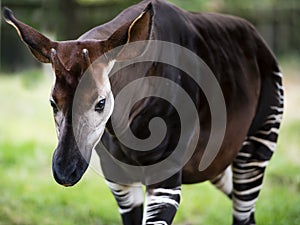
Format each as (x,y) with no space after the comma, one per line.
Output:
(245,68)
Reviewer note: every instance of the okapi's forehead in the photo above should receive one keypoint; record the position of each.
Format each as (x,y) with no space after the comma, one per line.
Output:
(71,54)
(80,73)
(70,89)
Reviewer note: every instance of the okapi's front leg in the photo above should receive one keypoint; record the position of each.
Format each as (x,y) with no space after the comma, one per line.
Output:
(161,204)
(130,200)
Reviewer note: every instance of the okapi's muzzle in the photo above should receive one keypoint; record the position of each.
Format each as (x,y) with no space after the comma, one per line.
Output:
(68,172)
(68,164)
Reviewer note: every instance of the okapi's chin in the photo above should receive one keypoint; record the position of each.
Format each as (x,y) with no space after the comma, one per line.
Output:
(68,173)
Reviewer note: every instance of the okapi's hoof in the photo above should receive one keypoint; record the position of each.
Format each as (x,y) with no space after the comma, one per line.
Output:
(250,221)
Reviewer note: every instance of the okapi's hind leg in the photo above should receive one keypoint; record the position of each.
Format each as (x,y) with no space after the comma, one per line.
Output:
(250,163)
(248,173)
(224,182)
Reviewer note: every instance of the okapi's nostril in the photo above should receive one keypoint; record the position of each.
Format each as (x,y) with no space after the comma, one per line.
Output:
(66,176)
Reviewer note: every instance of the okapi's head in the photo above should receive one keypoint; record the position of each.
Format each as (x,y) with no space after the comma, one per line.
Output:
(80,116)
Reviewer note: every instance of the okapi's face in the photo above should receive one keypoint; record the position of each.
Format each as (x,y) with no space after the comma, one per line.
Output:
(82,102)
(81,97)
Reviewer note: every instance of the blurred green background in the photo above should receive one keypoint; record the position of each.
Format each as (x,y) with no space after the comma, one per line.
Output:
(28,193)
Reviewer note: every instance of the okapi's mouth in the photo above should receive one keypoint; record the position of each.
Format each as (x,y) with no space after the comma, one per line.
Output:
(68,169)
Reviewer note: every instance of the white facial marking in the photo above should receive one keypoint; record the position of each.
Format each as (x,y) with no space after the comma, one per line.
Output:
(90,123)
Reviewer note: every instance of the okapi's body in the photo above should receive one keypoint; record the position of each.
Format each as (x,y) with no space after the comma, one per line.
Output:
(244,67)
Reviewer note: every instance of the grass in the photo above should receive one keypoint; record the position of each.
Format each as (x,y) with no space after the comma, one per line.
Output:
(30,196)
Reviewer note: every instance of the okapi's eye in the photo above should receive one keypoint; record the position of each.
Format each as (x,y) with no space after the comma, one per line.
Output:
(54,106)
(100,105)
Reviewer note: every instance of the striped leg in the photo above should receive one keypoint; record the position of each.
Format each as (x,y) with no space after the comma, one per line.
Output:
(248,175)
(130,201)
(224,182)
(249,165)
(161,205)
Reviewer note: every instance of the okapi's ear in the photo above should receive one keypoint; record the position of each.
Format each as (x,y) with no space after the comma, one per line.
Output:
(138,30)
(38,44)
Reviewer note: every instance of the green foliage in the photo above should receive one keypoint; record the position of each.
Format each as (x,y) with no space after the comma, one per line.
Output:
(191,5)
(31,78)
(105,1)
(259,4)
